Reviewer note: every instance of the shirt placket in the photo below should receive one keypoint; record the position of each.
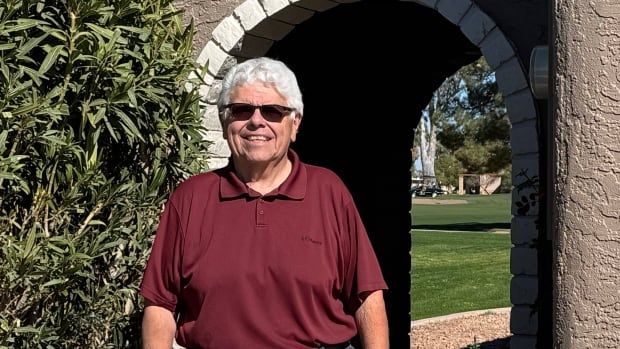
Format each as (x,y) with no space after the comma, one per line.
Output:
(261,214)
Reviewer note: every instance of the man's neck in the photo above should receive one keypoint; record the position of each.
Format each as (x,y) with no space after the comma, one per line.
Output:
(264,178)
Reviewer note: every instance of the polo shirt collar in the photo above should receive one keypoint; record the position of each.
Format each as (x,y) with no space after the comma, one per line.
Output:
(293,187)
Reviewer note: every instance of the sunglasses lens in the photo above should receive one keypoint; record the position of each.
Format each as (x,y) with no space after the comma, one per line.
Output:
(242,111)
(272,112)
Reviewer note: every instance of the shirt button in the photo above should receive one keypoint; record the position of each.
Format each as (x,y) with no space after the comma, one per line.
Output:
(261,212)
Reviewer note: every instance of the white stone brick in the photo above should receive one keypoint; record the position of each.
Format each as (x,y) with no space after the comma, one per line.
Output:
(252,46)
(293,15)
(228,33)
(524,261)
(524,138)
(522,342)
(208,79)
(511,77)
(496,48)
(315,5)
(272,29)
(273,6)
(520,106)
(215,163)
(214,92)
(523,229)
(219,146)
(229,62)
(453,10)
(524,165)
(427,3)
(523,321)
(525,202)
(523,290)
(213,57)
(250,13)
(211,118)
(476,25)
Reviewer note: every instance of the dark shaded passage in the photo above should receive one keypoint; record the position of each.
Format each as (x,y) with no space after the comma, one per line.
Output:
(363,97)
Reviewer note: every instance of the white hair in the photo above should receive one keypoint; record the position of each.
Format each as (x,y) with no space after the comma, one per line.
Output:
(264,70)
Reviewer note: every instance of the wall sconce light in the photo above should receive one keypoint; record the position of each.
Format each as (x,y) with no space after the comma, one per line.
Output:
(539,72)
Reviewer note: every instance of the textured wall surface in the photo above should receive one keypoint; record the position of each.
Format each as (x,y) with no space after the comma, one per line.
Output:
(587,185)
(207,14)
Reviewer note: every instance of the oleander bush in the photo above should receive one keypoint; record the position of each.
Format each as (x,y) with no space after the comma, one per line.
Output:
(98,122)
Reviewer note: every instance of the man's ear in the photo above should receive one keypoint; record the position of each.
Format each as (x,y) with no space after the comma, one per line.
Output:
(297,121)
(296,124)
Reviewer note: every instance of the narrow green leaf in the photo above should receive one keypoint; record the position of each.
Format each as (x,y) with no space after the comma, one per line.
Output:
(50,59)
(7,175)
(21,24)
(131,93)
(33,74)
(94,119)
(96,222)
(7,46)
(30,44)
(52,283)
(26,329)
(21,88)
(129,124)
(109,127)
(3,136)
(5,71)
(29,242)
(27,108)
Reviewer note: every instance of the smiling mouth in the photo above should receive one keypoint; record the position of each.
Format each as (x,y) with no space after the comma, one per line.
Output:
(257,138)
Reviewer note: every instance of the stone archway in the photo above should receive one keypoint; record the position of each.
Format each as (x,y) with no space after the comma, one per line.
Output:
(255,25)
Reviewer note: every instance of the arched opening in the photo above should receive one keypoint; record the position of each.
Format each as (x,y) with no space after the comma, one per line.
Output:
(460,238)
(364,97)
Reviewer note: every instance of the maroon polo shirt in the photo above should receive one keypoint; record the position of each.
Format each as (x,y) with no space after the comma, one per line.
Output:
(281,270)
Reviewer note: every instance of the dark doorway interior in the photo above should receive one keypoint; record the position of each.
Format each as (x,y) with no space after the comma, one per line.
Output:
(366,71)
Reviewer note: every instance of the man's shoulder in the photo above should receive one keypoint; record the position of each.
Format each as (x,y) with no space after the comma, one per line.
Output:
(322,174)
(201,184)
(322,179)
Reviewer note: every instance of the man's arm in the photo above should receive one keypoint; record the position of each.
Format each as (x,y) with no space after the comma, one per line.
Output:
(158,327)
(372,321)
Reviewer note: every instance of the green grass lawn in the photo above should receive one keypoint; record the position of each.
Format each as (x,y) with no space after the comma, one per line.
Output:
(456,272)
(478,214)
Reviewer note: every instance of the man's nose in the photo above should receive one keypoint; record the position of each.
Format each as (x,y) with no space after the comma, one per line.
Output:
(257,118)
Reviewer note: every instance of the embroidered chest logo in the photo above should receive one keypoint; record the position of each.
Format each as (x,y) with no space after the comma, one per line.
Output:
(306,238)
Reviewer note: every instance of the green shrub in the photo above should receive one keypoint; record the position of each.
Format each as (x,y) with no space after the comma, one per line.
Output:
(98,122)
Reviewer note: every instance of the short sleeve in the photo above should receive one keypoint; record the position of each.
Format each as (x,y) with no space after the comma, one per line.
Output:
(161,282)
(362,271)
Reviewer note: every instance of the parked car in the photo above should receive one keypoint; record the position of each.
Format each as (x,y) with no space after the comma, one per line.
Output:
(432,191)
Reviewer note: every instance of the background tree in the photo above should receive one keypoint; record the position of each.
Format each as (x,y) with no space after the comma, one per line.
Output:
(98,123)
(470,124)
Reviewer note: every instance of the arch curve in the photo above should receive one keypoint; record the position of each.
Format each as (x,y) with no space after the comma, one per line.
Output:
(255,25)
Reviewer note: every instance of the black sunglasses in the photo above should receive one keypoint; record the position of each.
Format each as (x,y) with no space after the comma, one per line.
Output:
(271,112)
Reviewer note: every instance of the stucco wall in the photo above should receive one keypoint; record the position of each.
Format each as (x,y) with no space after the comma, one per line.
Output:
(207,14)
(587,186)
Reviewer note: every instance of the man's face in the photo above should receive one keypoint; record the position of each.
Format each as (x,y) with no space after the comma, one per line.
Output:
(254,139)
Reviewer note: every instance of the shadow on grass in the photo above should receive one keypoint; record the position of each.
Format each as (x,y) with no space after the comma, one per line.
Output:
(471,226)
(500,343)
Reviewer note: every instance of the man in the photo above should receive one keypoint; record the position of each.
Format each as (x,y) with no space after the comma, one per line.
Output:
(268,252)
